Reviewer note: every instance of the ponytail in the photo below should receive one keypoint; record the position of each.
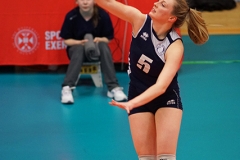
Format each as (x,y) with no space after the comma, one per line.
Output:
(197,29)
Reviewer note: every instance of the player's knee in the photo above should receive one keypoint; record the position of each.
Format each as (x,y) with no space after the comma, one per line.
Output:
(166,157)
(147,157)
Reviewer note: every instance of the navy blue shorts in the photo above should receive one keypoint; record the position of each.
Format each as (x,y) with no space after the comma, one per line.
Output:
(171,98)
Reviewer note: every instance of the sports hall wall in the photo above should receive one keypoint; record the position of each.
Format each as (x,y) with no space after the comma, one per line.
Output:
(30,32)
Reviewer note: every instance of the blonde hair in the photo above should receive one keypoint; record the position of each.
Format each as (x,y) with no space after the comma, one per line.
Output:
(196,25)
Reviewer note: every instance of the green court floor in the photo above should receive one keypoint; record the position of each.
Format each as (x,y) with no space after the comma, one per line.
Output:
(34,125)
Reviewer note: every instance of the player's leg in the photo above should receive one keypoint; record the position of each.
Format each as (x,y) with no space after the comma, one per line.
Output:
(109,75)
(143,132)
(107,66)
(76,57)
(168,121)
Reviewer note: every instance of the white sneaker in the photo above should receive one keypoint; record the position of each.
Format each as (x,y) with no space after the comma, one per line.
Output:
(117,94)
(67,95)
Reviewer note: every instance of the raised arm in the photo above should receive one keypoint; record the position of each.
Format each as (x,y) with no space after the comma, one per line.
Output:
(124,12)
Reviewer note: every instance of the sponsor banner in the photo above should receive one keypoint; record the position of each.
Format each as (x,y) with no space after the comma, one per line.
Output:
(30,32)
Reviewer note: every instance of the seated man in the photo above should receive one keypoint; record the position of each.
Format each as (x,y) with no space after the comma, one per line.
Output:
(87,18)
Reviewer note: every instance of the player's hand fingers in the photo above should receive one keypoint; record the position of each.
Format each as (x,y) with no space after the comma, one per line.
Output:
(119,104)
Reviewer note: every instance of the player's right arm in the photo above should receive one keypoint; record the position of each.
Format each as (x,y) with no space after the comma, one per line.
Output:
(124,12)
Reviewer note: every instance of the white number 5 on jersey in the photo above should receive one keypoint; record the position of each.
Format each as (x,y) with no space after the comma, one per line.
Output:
(143,63)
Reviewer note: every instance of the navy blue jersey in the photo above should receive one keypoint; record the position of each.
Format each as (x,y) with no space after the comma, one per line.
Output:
(147,57)
(75,26)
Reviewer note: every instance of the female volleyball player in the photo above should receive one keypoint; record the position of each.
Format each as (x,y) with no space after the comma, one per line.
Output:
(154,104)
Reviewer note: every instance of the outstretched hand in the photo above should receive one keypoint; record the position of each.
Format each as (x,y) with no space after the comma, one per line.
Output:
(123,105)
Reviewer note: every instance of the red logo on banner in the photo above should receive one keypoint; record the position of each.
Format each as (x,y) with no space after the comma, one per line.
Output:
(26,40)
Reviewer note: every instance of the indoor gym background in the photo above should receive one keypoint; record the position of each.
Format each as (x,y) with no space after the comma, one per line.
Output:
(35,125)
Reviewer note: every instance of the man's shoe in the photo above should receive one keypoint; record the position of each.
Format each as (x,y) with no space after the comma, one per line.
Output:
(117,94)
(67,97)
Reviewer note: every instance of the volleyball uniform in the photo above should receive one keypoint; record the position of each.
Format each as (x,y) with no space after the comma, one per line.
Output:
(146,61)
